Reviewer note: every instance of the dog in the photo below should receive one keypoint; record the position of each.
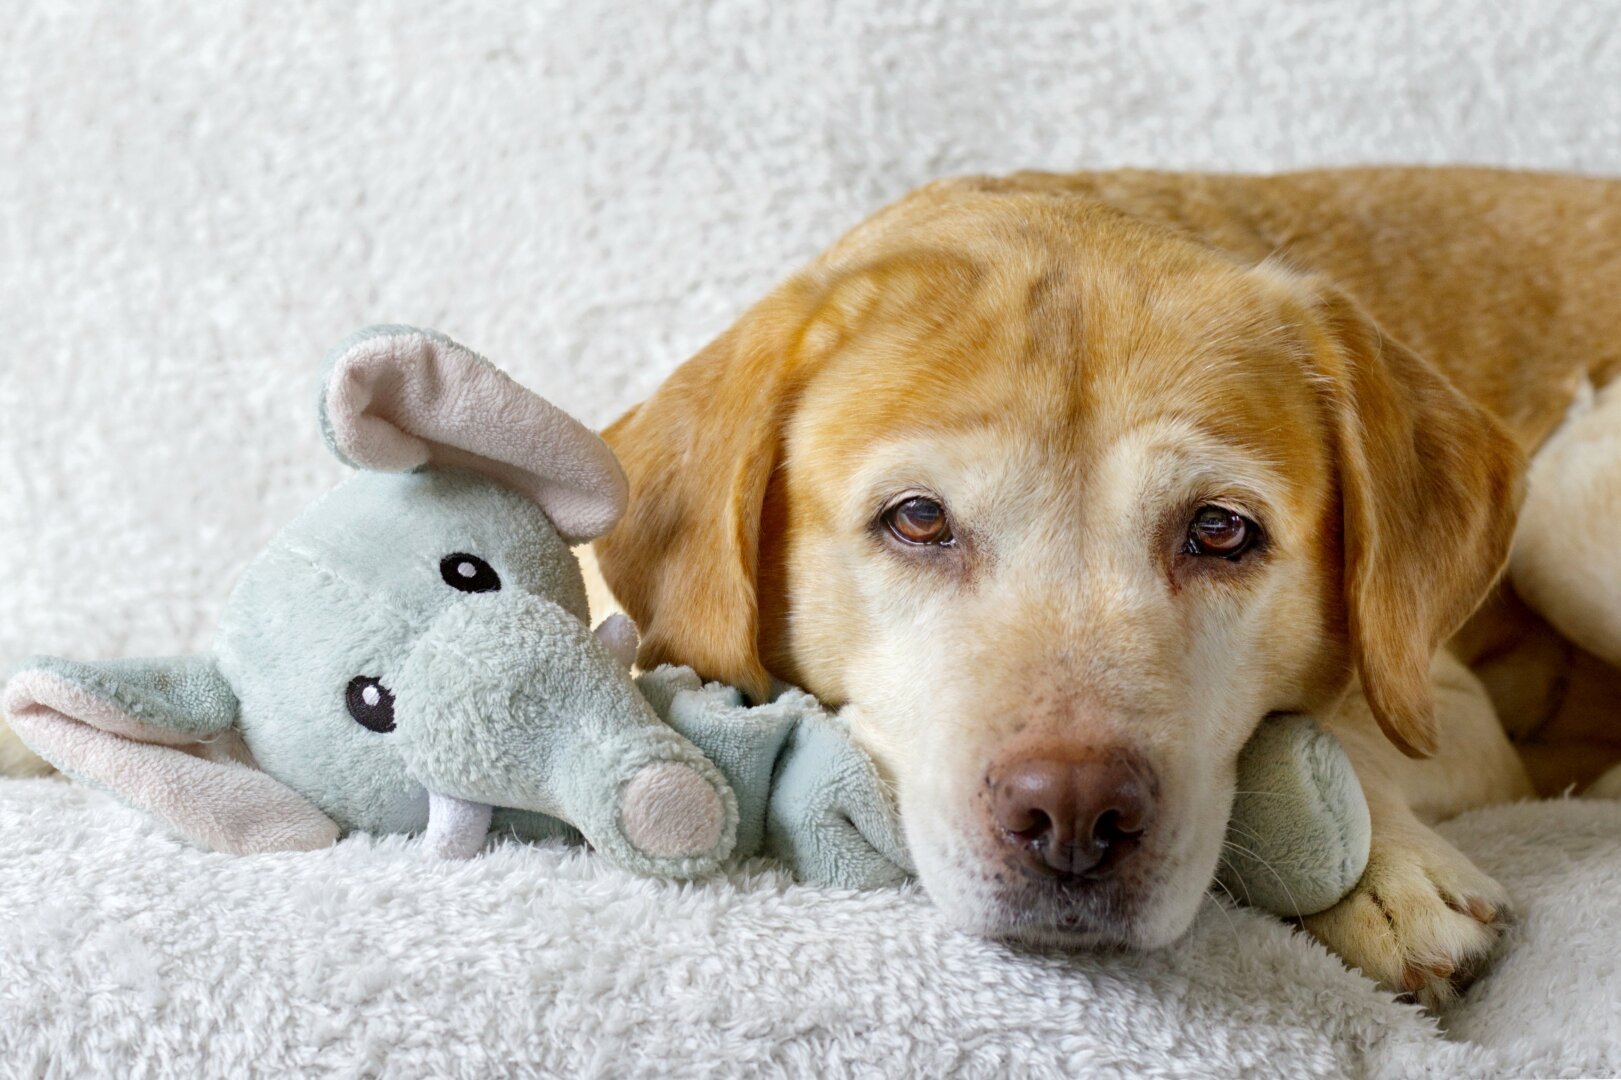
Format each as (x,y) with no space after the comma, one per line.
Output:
(1105,468)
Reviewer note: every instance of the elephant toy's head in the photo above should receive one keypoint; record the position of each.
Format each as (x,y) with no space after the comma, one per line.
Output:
(411,653)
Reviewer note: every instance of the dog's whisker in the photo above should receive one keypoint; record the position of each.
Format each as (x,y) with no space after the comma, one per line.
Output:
(1232,927)
(1267,865)
(1224,863)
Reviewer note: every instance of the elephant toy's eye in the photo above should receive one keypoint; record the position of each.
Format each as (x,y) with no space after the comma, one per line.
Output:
(468,573)
(370,703)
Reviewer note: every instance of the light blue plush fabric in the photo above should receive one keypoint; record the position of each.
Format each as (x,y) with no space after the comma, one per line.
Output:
(806,795)
(1300,832)
(830,817)
(809,797)
(183,694)
(744,742)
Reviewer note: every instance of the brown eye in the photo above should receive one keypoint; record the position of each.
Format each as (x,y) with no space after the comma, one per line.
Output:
(1216,530)
(918,520)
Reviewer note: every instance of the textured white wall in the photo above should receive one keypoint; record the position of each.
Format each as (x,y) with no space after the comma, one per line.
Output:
(196,202)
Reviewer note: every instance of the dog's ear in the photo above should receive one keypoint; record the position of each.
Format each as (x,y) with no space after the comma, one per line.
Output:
(1430,486)
(699,455)
(701,452)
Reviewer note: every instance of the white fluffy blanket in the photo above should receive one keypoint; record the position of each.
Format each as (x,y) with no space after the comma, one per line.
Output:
(196,202)
(122,946)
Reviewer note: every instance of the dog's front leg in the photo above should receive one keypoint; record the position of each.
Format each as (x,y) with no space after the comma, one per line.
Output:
(1424,920)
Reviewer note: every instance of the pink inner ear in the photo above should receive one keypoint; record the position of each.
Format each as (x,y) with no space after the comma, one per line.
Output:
(209,792)
(361,383)
(397,401)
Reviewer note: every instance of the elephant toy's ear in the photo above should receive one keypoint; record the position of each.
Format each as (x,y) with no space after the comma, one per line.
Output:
(161,735)
(395,398)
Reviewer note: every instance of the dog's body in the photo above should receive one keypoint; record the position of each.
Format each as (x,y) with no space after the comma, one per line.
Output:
(1110,466)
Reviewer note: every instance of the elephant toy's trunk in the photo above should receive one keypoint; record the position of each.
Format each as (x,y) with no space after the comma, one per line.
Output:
(670,810)
(509,701)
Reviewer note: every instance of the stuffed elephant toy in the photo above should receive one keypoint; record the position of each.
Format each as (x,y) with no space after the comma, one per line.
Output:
(411,654)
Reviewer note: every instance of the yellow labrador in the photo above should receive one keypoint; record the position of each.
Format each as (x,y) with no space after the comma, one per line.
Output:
(1064,482)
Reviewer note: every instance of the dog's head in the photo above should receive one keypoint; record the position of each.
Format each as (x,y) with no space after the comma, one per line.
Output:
(1063,504)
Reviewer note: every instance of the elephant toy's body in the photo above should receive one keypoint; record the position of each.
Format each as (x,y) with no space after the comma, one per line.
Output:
(410,654)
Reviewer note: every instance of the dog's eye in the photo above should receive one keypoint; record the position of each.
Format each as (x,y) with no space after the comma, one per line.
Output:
(1216,530)
(370,703)
(468,573)
(919,520)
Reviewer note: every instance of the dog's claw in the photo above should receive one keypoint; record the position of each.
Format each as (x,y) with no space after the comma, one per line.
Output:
(1423,922)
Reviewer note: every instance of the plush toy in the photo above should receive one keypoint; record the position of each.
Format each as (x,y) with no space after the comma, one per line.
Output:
(410,654)
(810,798)
(807,796)
(1299,834)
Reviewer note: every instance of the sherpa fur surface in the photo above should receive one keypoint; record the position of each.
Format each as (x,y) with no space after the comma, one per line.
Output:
(124,947)
(196,203)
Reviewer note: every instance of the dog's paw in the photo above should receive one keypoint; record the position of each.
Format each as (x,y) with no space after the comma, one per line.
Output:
(1423,921)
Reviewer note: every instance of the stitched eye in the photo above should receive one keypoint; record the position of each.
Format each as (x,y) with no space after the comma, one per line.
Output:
(919,520)
(468,573)
(370,703)
(1216,530)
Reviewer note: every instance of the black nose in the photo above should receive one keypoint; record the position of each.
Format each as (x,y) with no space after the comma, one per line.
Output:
(1072,814)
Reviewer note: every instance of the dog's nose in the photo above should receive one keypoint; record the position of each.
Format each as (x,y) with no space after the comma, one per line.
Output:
(1074,814)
